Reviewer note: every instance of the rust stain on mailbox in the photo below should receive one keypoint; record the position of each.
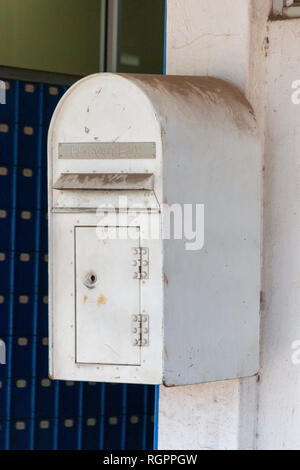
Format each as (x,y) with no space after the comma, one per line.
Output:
(102,300)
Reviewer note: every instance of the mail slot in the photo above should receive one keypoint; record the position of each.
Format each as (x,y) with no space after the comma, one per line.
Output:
(154,231)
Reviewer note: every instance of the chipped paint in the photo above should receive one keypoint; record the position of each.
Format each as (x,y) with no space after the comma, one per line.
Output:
(102,300)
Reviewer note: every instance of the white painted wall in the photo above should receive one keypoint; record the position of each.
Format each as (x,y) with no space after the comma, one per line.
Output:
(233,40)
(279,390)
(200,35)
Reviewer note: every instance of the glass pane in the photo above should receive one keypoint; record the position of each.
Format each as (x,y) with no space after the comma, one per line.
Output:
(61,36)
(142,36)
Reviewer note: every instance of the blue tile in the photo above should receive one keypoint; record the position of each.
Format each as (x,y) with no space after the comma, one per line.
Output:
(2,434)
(113,433)
(68,398)
(29,103)
(45,392)
(26,230)
(28,145)
(7,131)
(21,398)
(23,314)
(44,231)
(5,229)
(135,399)
(22,356)
(20,434)
(42,357)
(151,397)
(4,368)
(91,433)
(3,392)
(134,432)
(7,111)
(5,270)
(68,433)
(44,434)
(43,273)
(150,432)
(44,191)
(24,272)
(92,396)
(27,188)
(42,321)
(5,300)
(114,400)
(45,131)
(6,179)
(52,95)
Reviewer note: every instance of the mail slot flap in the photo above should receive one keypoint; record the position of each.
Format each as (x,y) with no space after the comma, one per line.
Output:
(120,181)
(130,200)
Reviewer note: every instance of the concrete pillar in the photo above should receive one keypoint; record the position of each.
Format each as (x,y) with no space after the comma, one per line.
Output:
(236,41)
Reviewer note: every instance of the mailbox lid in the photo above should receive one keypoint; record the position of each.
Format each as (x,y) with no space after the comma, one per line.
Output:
(64,363)
(107,295)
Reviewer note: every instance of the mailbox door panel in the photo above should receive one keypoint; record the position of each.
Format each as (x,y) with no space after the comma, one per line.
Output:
(107,295)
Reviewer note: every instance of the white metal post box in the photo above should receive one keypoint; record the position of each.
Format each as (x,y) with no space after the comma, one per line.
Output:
(154,224)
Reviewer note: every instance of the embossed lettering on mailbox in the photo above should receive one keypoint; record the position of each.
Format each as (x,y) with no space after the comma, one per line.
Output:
(107,150)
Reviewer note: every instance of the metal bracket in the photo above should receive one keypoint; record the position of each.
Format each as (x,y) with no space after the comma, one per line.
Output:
(286,8)
(141,263)
(140,330)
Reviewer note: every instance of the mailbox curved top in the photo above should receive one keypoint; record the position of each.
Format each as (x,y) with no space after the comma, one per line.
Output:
(105,94)
(124,123)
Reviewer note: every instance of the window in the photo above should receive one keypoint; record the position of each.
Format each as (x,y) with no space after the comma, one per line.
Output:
(51,35)
(135,36)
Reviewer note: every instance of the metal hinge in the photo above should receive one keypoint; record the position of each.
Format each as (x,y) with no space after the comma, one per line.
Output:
(140,330)
(141,263)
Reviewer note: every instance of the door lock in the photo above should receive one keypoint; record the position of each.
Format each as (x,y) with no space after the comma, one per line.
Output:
(90,279)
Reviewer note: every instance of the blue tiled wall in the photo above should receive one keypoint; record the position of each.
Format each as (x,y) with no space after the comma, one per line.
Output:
(35,412)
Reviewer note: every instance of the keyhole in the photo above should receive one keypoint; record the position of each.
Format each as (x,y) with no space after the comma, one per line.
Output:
(90,280)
